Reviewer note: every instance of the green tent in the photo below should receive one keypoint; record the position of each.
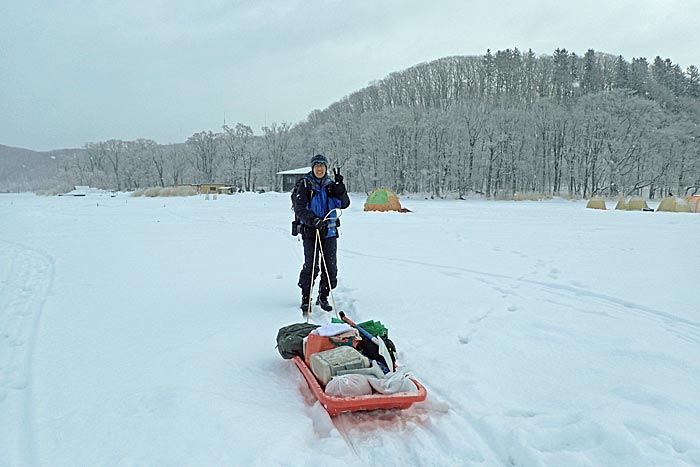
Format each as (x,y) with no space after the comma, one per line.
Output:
(383,199)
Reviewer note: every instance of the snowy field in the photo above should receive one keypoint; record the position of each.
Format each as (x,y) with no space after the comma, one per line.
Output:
(139,332)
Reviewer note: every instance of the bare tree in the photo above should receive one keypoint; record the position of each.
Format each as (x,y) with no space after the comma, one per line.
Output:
(205,149)
(175,162)
(276,138)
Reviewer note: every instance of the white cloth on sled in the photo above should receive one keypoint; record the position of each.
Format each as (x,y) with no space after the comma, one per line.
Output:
(332,329)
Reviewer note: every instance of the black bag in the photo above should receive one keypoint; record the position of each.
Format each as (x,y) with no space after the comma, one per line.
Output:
(296,223)
(370,350)
(290,339)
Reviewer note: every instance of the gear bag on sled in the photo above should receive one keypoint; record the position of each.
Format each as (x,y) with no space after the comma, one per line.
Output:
(290,339)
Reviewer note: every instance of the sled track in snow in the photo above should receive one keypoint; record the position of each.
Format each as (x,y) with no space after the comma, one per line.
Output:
(684,329)
(421,435)
(26,276)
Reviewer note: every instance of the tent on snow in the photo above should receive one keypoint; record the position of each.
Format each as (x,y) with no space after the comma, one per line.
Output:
(383,199)
(634,203)
(673,204)
(596,203)
(694,203)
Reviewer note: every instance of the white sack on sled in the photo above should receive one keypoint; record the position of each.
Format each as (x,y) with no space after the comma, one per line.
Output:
(393,382)
(348,386)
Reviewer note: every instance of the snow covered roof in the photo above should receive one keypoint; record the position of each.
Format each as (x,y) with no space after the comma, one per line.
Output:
(299,171)
(83,190)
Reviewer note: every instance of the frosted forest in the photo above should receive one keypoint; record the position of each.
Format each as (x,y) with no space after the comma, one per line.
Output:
(501,125)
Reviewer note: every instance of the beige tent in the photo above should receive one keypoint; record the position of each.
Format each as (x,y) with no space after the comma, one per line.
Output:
(596,203)
(633,203)
(637,203)
(621,204)
(673,204)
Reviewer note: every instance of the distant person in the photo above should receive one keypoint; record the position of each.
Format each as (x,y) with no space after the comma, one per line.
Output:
(315,199)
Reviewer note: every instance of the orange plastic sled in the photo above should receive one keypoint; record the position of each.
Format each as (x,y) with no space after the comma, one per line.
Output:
(335,405)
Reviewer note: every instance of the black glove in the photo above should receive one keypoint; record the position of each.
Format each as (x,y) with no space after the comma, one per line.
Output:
(337,189)
(318,224)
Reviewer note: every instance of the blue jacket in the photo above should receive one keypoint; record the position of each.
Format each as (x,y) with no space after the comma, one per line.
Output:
(314,198)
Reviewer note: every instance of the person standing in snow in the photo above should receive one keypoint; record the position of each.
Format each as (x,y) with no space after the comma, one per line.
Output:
(315,200)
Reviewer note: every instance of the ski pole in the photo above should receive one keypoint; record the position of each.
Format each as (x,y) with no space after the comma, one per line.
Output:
(383,351)
(328,277)
(313,274)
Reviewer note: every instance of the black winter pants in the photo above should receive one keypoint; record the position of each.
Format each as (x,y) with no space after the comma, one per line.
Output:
(330,250)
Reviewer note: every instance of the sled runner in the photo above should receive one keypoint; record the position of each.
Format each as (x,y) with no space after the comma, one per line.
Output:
(335,405)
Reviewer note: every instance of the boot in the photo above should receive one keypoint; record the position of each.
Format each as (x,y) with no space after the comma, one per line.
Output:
(304,303)
(323,303)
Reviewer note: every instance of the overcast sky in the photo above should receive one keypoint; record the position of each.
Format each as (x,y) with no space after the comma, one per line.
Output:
(73,72)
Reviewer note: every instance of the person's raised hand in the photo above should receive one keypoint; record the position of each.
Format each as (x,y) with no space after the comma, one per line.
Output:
(337,176)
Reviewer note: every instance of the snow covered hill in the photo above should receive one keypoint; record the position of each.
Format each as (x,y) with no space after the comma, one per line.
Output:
(138,331)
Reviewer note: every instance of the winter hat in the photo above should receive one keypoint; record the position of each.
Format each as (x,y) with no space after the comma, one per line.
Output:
(319,159)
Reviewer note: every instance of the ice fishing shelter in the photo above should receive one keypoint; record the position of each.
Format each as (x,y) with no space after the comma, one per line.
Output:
(596,203)
(673,204)
(634,203)
(383,199)
(694,203)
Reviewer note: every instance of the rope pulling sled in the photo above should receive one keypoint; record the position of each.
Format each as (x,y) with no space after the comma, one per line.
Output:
(337,404)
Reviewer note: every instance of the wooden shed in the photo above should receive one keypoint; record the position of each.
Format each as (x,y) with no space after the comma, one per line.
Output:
(215,189)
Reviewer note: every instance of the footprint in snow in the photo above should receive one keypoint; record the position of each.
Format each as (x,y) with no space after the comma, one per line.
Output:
(522,413)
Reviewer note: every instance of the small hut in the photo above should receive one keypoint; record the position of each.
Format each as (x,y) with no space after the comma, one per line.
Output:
(289,178)
(215,189)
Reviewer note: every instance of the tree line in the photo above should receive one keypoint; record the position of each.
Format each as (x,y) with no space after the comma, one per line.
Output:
(234,156)
(497,125)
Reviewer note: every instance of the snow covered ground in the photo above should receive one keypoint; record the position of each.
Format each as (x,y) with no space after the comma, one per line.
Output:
(137,331)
